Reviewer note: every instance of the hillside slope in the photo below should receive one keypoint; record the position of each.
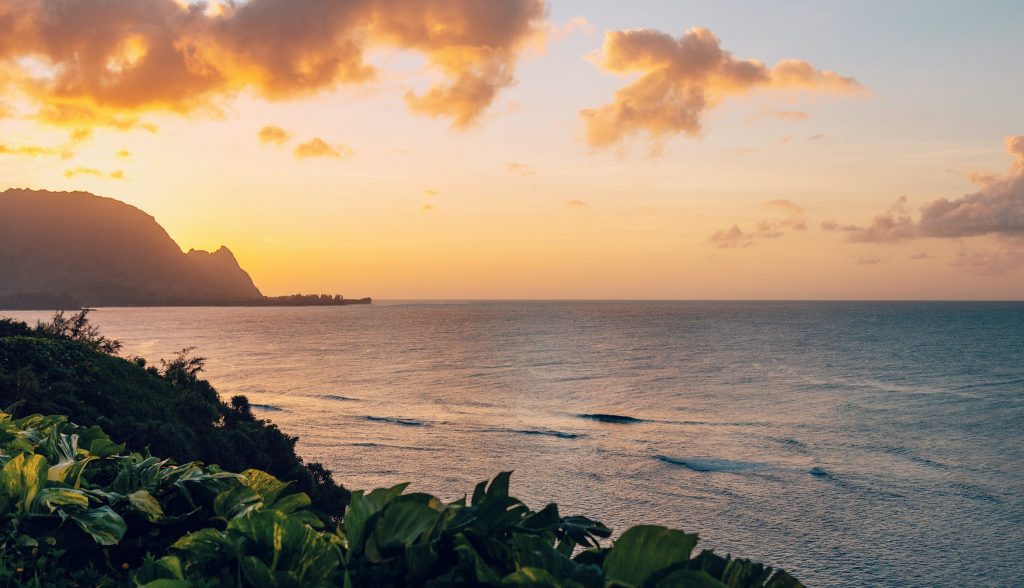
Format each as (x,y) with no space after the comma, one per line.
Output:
(63,249)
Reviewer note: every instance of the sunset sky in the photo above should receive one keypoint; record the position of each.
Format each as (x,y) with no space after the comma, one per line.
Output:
(516,149)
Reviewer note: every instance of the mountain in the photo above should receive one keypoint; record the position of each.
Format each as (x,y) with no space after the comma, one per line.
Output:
(66,249)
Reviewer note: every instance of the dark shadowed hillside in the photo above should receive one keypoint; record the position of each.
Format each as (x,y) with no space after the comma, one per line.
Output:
(63,249)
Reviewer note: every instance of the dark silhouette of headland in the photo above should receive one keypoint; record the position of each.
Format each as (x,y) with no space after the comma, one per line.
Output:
(75,249)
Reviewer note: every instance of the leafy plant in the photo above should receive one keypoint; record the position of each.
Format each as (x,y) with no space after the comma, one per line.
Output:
(75,507)
(80,509)
(60,368)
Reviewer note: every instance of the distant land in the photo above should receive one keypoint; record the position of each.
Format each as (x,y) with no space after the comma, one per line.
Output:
(76,249)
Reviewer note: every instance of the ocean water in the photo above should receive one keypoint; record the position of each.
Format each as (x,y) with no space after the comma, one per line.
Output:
(854,444)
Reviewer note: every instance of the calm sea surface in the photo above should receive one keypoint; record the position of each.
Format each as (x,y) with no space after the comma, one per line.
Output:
(854,444)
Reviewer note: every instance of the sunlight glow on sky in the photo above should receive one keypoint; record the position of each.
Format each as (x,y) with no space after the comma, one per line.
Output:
(492,149)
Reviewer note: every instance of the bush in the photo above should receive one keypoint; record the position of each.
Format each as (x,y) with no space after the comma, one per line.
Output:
(79,509)
(68,368)
(75,509)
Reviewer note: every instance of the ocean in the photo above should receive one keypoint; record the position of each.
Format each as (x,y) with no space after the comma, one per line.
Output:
(853,444)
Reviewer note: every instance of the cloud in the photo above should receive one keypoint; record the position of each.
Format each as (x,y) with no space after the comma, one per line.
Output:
(36,151)
(920,256)
(427,207)
(317,147)
(683,78)
(792,115)
(124,154)
(431,192)
(997,209)
(771,228)
(523,169)
(816,137)
(89,171)
(80,135)
(836,226)
(576,23)
(731,237)
(105,63)
(992,261)
(576,204)
(272,134)
(870,260)
(83,116)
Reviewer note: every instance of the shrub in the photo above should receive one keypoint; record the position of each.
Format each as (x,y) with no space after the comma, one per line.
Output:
(75,509)
(70,369)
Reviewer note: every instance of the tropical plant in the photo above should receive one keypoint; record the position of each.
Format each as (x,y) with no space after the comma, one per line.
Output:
(76,508)
(62,367)
(78,328)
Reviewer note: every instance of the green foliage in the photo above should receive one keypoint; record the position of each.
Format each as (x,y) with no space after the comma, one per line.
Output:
(80,509)
(69,516)
(78,328)
(66,367)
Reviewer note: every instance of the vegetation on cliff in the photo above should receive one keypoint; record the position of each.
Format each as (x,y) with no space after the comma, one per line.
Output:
(66,367)
(81,507)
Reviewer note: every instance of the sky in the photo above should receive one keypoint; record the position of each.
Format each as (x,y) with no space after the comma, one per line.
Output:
(507,149)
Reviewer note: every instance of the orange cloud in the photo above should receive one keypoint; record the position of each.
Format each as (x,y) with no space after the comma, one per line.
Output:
(683,78)
(576,204)
(89,171)
(274,134)
(80,135)
(86,116)
(997,209)
(124,154)
(108,62)
(523,169)
(576,23)
(317,147)
(36,151)
(772,228)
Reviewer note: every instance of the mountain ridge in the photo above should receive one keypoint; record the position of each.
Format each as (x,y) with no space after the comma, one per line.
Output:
(62,249)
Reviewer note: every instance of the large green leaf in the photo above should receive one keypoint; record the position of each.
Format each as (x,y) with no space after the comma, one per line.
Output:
(643,550)
(235,502)
(165,572)
(50,499)
(144,503)
(583,531)
(536,552)
(544,520)
(399,525)
(204,545)
(534,578)
(105,448)
(287,545)
(363,506)
(687,578)
(291,503)
(104,525)
(258,573)
(743,573)
(21,479)
(266,486)
(470,560)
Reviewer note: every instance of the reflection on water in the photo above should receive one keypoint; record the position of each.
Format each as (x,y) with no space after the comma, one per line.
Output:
(854,444)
